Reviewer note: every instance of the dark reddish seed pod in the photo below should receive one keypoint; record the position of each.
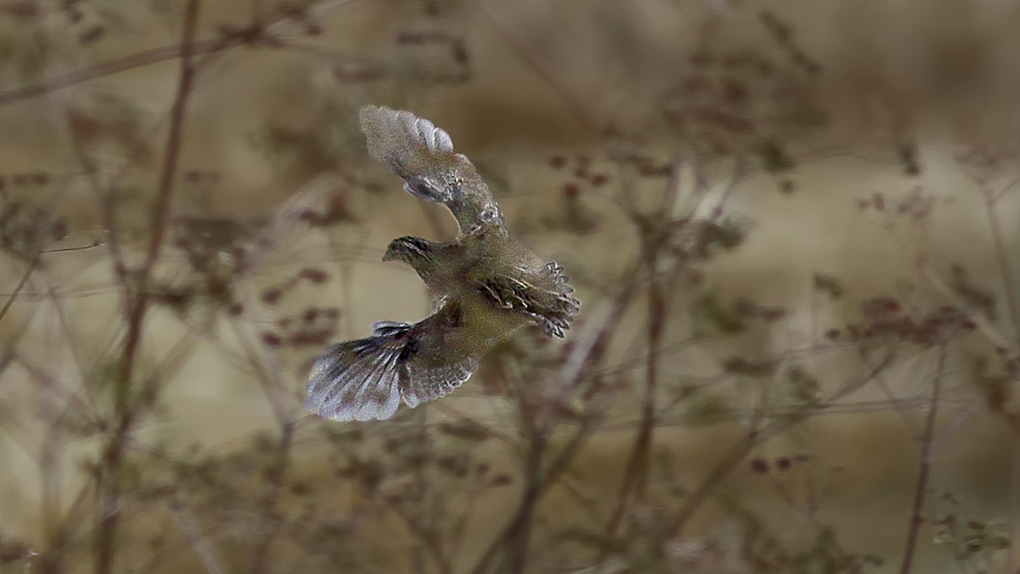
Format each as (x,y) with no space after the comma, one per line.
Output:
(271,296)
(759,466)
(313,275)
(59,230)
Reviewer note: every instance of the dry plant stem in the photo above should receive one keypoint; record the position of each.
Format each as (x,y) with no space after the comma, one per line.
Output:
(739,451)
(515,535)
(520,531)
(193,537)
(160,210)
(123,64)
(894,402)
(106,208)
(260,557)
(136,298)
(21,285)
(1010,289)
(1014,505)
(925,466)
(534,487)
(239,37)
(133,61)
(985,327)
(273,390)
(427,540)
(50,476)
(534,490)
(70,336)
(533,493)
(1008,283)
(45,380)
(636,473)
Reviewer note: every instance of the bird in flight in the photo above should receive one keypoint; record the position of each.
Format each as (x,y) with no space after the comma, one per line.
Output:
(485,282)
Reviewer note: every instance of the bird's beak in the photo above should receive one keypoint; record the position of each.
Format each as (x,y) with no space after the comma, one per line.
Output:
(390,255)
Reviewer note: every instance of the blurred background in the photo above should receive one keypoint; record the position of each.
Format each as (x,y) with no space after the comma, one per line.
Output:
(793,227)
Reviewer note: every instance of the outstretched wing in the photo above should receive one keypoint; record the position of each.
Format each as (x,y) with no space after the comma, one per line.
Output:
(422,155)
(367,378)
(544,296)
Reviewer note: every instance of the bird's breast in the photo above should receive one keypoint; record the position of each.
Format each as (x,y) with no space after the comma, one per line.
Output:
(485,323)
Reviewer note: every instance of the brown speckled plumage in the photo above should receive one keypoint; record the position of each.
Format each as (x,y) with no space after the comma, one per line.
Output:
(488,285)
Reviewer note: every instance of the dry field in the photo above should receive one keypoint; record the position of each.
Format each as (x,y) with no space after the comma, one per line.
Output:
(794,227)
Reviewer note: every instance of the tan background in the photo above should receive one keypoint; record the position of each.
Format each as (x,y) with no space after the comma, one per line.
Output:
(272,131)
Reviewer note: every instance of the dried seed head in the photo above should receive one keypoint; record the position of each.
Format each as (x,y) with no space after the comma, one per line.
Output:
(271,339)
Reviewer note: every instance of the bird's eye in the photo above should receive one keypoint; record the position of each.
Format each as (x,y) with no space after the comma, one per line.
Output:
(415,245)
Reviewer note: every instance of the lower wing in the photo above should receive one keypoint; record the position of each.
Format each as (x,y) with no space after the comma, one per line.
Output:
(367,378)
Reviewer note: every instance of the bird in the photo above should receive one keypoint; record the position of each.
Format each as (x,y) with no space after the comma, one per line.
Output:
(485,283)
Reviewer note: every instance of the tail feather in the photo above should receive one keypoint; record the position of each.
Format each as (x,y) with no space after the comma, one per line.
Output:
(562,306)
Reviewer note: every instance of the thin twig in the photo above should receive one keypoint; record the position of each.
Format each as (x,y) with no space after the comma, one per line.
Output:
(194,537)
(584,359)
(131,62)
(21,285)
(1014,506)
(136,299)
(260,557)
(921,489)
(520,530)
(1005,267)
(754,437)
(552,474)
(636,471)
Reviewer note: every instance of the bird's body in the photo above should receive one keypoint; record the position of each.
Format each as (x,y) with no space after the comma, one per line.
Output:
(488,285)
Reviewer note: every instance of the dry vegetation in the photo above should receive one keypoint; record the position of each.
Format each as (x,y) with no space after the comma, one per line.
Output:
(793,227)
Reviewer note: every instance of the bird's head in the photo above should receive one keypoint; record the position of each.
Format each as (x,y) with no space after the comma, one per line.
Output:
(409,249)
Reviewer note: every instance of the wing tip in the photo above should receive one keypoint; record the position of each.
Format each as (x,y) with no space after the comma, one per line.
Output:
(355,381)
(375,119)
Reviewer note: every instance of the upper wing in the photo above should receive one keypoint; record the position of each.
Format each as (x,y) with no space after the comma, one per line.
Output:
(367,378)
(544,296)
(422,155)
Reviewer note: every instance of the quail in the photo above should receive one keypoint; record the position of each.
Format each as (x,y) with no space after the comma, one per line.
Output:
(486,284)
